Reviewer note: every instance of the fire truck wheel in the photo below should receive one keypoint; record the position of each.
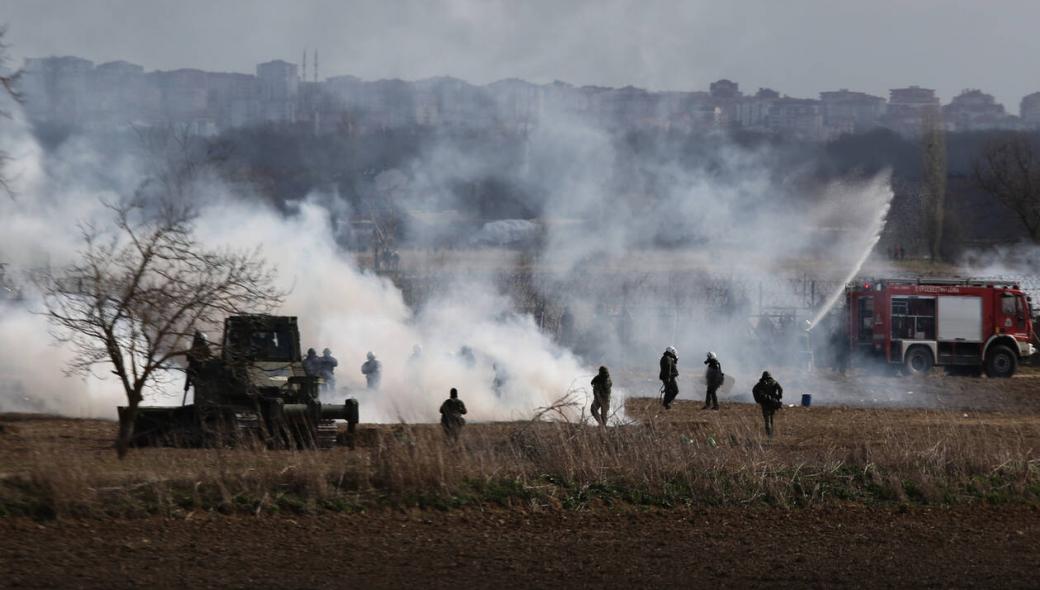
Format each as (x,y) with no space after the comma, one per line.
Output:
(918,360)
(1001,362)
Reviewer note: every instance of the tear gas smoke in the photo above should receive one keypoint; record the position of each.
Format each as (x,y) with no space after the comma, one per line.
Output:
(670,224)
(511,368)
(1013,262)
(647,246)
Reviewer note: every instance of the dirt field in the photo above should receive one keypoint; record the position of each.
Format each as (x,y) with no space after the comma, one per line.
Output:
(924,548)
(959,433)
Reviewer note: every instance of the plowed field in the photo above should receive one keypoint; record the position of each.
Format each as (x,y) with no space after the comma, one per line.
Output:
(921,548)
(965,543)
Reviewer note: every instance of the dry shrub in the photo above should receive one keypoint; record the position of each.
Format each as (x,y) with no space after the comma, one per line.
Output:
(860,457)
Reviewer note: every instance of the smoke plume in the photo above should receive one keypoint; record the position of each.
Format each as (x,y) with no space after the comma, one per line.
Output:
(647,247)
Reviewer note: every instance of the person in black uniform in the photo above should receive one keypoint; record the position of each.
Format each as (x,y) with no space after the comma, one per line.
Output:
(669,376)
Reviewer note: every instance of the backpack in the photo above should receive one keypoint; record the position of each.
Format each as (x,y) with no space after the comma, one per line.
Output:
(765,394)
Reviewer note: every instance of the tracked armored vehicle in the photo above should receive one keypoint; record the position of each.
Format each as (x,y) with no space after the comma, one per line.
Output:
(256,392)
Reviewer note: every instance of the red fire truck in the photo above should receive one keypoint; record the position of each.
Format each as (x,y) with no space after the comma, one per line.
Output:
(919,323)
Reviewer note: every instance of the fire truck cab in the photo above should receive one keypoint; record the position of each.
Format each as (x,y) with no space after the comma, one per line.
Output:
(920,323)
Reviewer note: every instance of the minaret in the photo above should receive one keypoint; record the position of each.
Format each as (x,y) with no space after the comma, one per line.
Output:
(315,65)
(303,70)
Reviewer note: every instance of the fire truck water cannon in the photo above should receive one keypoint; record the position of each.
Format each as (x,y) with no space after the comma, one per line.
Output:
(976,325)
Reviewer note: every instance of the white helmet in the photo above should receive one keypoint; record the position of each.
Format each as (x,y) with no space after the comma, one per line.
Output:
(671,349)
(711,356)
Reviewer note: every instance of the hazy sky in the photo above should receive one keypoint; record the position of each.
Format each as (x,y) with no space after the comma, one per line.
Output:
(798,47)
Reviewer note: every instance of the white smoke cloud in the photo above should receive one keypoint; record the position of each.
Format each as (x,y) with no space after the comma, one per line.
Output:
(353,312)
(640,241)
(513,368)
(38,227)
(740,220)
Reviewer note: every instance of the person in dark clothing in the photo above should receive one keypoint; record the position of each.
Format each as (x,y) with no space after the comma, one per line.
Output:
(197,355)
(669,376)
(372,370)
(327,370)
(451,415)
(312,363)
(714,377)
(601,396)
(768,393)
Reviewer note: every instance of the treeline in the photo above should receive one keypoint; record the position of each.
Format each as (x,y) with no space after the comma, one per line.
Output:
(287,163)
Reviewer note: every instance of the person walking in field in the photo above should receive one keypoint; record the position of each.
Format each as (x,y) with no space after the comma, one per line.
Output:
(451,415)
(714,377)
(768,393)
(601,396)
(669,376)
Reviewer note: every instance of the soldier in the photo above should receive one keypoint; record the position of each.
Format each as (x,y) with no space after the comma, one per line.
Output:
(714,377)
(198,354)
(326,367)
(451,415)
(669,375)
(768,393)
(601,396)
(372,370)
(312,364)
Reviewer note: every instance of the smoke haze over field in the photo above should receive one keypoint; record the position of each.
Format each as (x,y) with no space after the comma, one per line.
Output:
(513,369)
(799,47)
(742,212)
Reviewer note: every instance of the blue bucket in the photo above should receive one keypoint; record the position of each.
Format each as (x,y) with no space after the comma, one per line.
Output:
(806,400)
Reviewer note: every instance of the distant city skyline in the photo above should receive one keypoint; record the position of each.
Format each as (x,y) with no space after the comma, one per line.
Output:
(799,47)
(75,92)
(306,71)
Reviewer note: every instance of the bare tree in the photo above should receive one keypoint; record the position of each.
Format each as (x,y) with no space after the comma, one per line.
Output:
(137,294)
(7,82)
(1009,170)
(933,152)
(175,160)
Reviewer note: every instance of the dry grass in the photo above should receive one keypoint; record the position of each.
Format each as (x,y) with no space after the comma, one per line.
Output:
(679,459)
